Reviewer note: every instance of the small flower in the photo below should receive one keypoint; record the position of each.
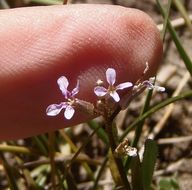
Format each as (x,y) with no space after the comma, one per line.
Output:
(131,151)
(150,85)
(55,109)
(112,90)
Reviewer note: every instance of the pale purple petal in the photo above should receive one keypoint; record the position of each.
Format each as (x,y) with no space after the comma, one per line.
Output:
(111,76)
(69,112)
(115,96)
(75,90)
(148,84)
(55,109)
(63,84)
(124,85)
(131,151)
(100,91)
(160,88)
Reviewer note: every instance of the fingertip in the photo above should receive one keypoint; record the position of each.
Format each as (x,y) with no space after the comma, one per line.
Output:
(80,42)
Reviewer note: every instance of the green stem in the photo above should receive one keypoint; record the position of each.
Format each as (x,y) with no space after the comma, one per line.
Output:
(4,4)
(82,147)
(118,161)
(16,149)
(100,173)
(166,20)
(47,2)
(51,156)
(139,127)
(12,182)
(65,2)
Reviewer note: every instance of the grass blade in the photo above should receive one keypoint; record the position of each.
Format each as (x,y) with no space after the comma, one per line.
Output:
(137,183)
(38,141)
(148,164)
(26,174)
(166,19)
(48,2)
(183,12)
(9,173)
(181,50)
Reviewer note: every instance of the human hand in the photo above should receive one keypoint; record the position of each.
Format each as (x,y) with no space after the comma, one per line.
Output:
(40,44)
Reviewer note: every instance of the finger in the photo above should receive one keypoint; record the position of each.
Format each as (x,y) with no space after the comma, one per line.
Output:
(40,44)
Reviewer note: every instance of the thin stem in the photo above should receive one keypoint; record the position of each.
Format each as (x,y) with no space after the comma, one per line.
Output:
(47,2)
(82,147)
(139,127)
(69,178)
(16,149)
(75,149)
(65,2)
(118,161)
(100,173)
(166,20)
(60,159)
(51,156)
(182,10)
(4,4)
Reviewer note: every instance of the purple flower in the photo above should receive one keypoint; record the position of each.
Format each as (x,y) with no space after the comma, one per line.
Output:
(150,85)
(55,109)
(112,90)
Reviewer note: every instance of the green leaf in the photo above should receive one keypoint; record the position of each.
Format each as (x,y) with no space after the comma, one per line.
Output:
(114,169)
(168,184)
(166,19)
(148,164)
(136,176)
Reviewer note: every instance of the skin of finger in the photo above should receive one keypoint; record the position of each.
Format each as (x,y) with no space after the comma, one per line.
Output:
(40,44)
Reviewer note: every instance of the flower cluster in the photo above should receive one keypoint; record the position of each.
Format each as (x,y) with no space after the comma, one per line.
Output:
(71,102)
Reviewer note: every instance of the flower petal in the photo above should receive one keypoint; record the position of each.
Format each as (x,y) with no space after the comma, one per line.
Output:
(69,112)
(75,90)
(160,88)
(55,109)
(131,151)
(148,84)
(115,96)
(111,76)
(63,84)
(100,91)
(124,85)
